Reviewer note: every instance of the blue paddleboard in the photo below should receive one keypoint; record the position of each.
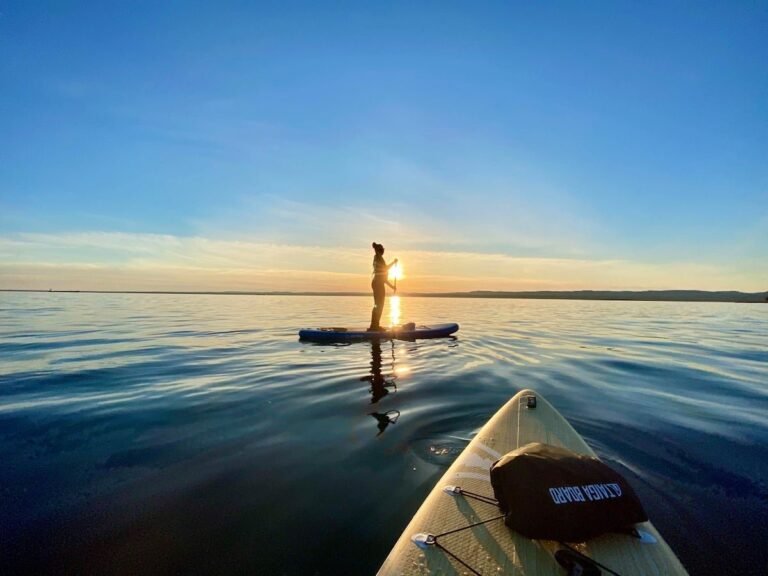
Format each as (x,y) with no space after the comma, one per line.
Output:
(403,332)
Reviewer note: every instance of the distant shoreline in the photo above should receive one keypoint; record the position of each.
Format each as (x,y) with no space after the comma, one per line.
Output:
(619,295)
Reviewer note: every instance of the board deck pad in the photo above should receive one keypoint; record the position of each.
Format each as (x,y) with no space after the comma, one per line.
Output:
(494,549)
(401,332)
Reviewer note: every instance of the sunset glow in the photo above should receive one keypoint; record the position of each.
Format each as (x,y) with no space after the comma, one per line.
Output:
(396,272)
(266,152)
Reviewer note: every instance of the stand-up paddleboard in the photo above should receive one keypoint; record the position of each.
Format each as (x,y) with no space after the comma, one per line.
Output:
(492,548)
(403,332)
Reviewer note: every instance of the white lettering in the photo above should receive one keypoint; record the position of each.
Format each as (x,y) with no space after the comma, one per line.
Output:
(555,494)
(567,494)
(601,491)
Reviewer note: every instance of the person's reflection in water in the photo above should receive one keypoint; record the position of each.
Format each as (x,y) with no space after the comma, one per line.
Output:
(385,419)
(380,384)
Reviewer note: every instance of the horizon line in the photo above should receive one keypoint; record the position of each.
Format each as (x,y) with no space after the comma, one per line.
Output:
(674,295)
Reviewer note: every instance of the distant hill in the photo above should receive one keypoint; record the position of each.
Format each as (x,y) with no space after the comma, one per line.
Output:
(646,295)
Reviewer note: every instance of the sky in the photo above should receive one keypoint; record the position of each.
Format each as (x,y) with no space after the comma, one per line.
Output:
(253,146)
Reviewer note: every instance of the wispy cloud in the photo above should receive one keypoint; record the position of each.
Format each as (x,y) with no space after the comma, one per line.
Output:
(144,261)
(459,218)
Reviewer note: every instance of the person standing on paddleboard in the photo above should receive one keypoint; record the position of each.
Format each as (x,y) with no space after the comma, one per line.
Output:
(378,284)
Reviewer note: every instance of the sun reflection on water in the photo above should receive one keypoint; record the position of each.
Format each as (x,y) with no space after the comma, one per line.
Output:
(394,310)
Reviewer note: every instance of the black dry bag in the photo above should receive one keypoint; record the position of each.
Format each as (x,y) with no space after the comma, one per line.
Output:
(550,493)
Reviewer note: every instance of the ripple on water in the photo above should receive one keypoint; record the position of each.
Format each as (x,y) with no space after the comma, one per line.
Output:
(197,417)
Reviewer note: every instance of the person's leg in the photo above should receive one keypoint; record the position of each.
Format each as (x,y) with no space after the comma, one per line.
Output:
(378,298)
(380,308)
(373,325)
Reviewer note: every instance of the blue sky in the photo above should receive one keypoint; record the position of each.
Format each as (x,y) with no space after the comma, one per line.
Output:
(503,145)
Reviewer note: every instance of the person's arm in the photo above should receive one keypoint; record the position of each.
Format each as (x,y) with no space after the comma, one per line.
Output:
(391,263)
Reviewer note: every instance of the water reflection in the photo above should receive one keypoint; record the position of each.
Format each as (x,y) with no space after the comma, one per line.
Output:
(385,419)
(394,310)
(384,370)
(380,383)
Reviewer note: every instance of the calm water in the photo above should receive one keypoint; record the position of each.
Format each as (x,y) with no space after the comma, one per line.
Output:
(160,434)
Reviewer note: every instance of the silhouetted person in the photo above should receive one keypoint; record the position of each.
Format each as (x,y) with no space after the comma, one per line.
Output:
(378,284)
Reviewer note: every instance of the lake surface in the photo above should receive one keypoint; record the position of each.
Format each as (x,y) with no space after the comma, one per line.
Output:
(159,434)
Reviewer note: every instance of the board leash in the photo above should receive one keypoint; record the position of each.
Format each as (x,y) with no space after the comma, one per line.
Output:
(426,540)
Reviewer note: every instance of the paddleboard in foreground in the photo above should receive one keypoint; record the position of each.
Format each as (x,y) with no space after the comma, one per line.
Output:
(409,331)
(490,547)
